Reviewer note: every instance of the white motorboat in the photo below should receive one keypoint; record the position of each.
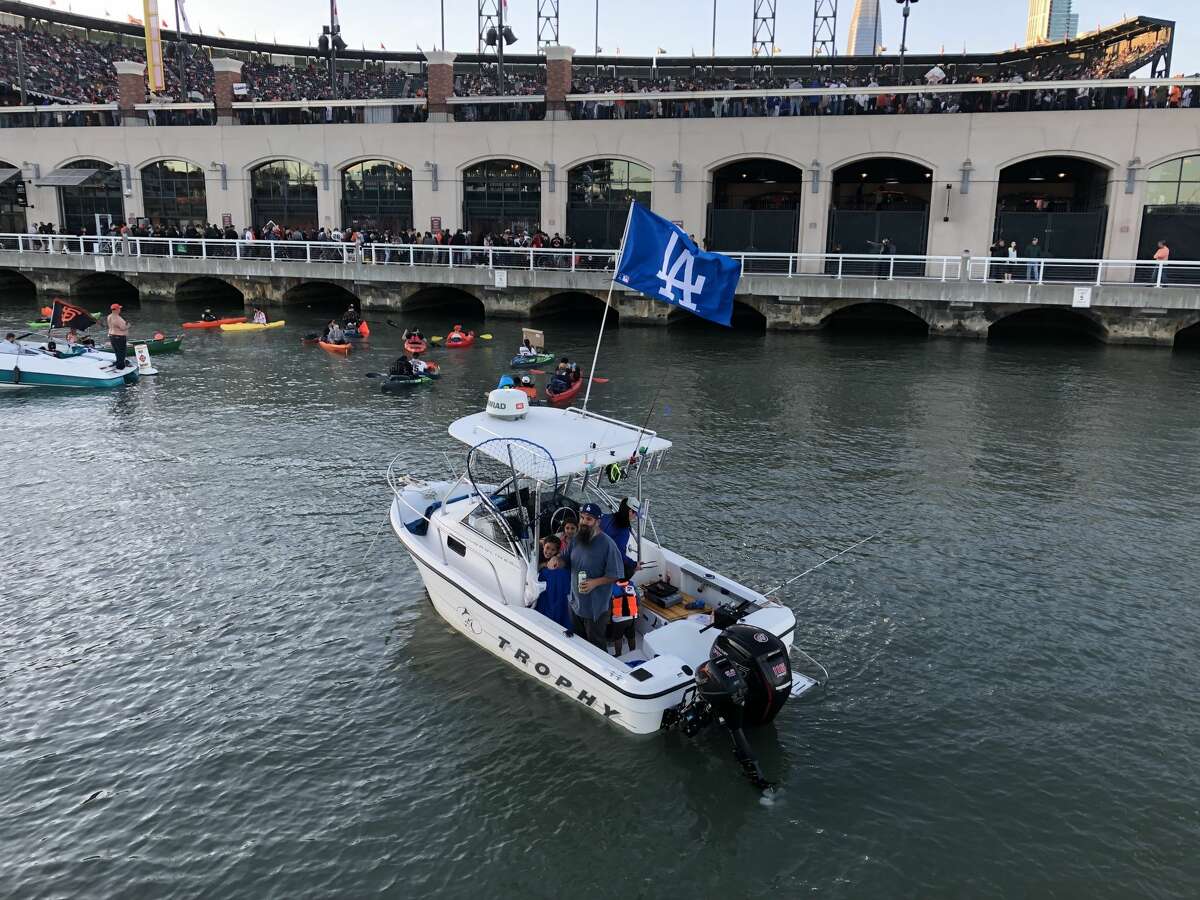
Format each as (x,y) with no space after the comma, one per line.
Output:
(706,648)
(35,366)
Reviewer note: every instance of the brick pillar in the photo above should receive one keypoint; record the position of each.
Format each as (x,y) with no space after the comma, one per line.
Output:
(441,84)
(558,81)
(226,73)
(131,90)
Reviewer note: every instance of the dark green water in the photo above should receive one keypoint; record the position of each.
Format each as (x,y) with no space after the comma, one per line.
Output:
(219,675)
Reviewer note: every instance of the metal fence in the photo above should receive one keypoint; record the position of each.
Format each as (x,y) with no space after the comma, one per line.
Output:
(829,266)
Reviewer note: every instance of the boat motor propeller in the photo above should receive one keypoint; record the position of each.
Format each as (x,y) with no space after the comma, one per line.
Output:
(745,682)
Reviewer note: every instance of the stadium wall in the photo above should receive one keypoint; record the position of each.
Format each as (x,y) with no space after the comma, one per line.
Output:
(989,141)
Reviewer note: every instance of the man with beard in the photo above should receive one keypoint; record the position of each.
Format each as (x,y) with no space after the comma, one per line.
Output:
(595,565)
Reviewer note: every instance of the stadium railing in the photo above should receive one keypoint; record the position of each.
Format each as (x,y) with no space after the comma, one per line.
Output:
(830,266)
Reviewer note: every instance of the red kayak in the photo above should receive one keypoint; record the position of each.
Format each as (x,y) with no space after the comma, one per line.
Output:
(460,339)
(235,320)
(564,396)
(416,345)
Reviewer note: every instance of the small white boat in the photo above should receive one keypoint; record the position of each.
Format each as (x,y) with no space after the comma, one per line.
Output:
(707,648)
(35,366)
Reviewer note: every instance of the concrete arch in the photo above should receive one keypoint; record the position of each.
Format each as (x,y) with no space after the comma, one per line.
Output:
(876,313)
(1170,157)
(15,286)
(593,157)
(275,157)
(1187,335)
(724,161)
(1042,322)
(456,298)
(573,303)
(323,293)
(748,316)
(79,157)
(459,170)
(103,288)
(1039,154)
(165,157)
(879,154)
(210,291)
(368,157)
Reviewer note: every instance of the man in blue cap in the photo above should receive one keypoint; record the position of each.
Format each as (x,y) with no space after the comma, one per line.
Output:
(595,565)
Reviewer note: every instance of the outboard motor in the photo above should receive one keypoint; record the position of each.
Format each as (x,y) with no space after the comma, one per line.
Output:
(745,682)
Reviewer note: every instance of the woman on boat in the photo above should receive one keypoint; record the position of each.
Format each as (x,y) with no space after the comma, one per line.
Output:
(260,317)
(570,526)
(619,527)
(333,333)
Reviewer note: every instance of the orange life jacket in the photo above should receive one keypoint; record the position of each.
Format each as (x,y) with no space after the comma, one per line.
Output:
(624,603)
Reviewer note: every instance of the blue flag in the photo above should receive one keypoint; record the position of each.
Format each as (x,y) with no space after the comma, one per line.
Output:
(661,262)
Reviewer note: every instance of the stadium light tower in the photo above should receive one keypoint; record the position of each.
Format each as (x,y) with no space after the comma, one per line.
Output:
(762,42)
(498,36)
(904,36)
(331,42)
(488,11)
(547,24)
(824,41)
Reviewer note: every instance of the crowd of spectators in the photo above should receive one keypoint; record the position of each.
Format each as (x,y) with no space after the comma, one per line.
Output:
(59,68)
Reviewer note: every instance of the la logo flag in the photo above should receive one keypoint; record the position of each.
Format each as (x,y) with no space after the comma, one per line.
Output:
(67,315)
(661,261)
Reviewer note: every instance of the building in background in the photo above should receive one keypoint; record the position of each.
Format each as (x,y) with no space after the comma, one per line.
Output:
(866,29)
(1050,20)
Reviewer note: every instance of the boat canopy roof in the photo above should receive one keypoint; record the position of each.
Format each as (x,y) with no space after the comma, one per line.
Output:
(578,441)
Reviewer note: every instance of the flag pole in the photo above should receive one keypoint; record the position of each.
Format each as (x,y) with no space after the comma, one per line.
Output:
(607,303)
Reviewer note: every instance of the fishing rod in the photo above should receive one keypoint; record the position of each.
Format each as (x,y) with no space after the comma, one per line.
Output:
(823,562)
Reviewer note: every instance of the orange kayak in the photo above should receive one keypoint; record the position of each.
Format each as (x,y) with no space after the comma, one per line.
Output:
(334,348)
(233,320)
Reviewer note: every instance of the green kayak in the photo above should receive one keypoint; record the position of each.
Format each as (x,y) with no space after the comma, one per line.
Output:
(398,384)
(526,362)
(166,345)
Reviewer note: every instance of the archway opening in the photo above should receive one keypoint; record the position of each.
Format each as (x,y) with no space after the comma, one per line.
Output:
(210,292)
(321,296)
(755,207)
(876,318)
(99,290)
(598,196)
(501,195)
(880,206)
(1047,324)
(575,306)
(745,319)
(454,302)
(12,201)
(174,195)
(283,192)
(89,196)
(1188,338)
(377,195)
(16,289)
(1052,206)
(1172,216)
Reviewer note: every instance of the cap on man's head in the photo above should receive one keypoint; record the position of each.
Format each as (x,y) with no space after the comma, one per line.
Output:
(590,509)
(116,306)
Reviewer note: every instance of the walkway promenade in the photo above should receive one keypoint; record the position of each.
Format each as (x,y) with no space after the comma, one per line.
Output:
(1119,301)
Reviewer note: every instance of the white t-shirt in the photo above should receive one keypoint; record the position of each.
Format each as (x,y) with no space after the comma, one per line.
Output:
(7,346)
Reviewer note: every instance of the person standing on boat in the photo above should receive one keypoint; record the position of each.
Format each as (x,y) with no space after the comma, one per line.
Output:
(554,601)
(567,535)
(619,527)
(118,335)
(595,565)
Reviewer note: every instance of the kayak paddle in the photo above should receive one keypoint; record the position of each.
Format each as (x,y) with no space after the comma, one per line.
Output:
(486,337)
(596,379)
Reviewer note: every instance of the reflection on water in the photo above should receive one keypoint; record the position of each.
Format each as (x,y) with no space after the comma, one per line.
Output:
(209,630)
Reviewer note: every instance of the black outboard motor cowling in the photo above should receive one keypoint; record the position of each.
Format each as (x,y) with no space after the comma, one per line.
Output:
(761,659)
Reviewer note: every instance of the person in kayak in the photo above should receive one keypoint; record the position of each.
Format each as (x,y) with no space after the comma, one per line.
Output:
(333,333)
(260,317)
(350,317)
(402,368)
(559,381)
(526,349)
(419,366)
(208,316)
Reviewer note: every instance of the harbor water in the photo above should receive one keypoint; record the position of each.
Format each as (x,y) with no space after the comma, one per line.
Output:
(220,675)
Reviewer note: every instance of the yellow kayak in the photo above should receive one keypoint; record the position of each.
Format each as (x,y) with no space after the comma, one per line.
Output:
(251,326)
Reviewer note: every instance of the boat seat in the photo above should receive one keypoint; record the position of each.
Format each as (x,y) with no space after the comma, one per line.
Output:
(682,638)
